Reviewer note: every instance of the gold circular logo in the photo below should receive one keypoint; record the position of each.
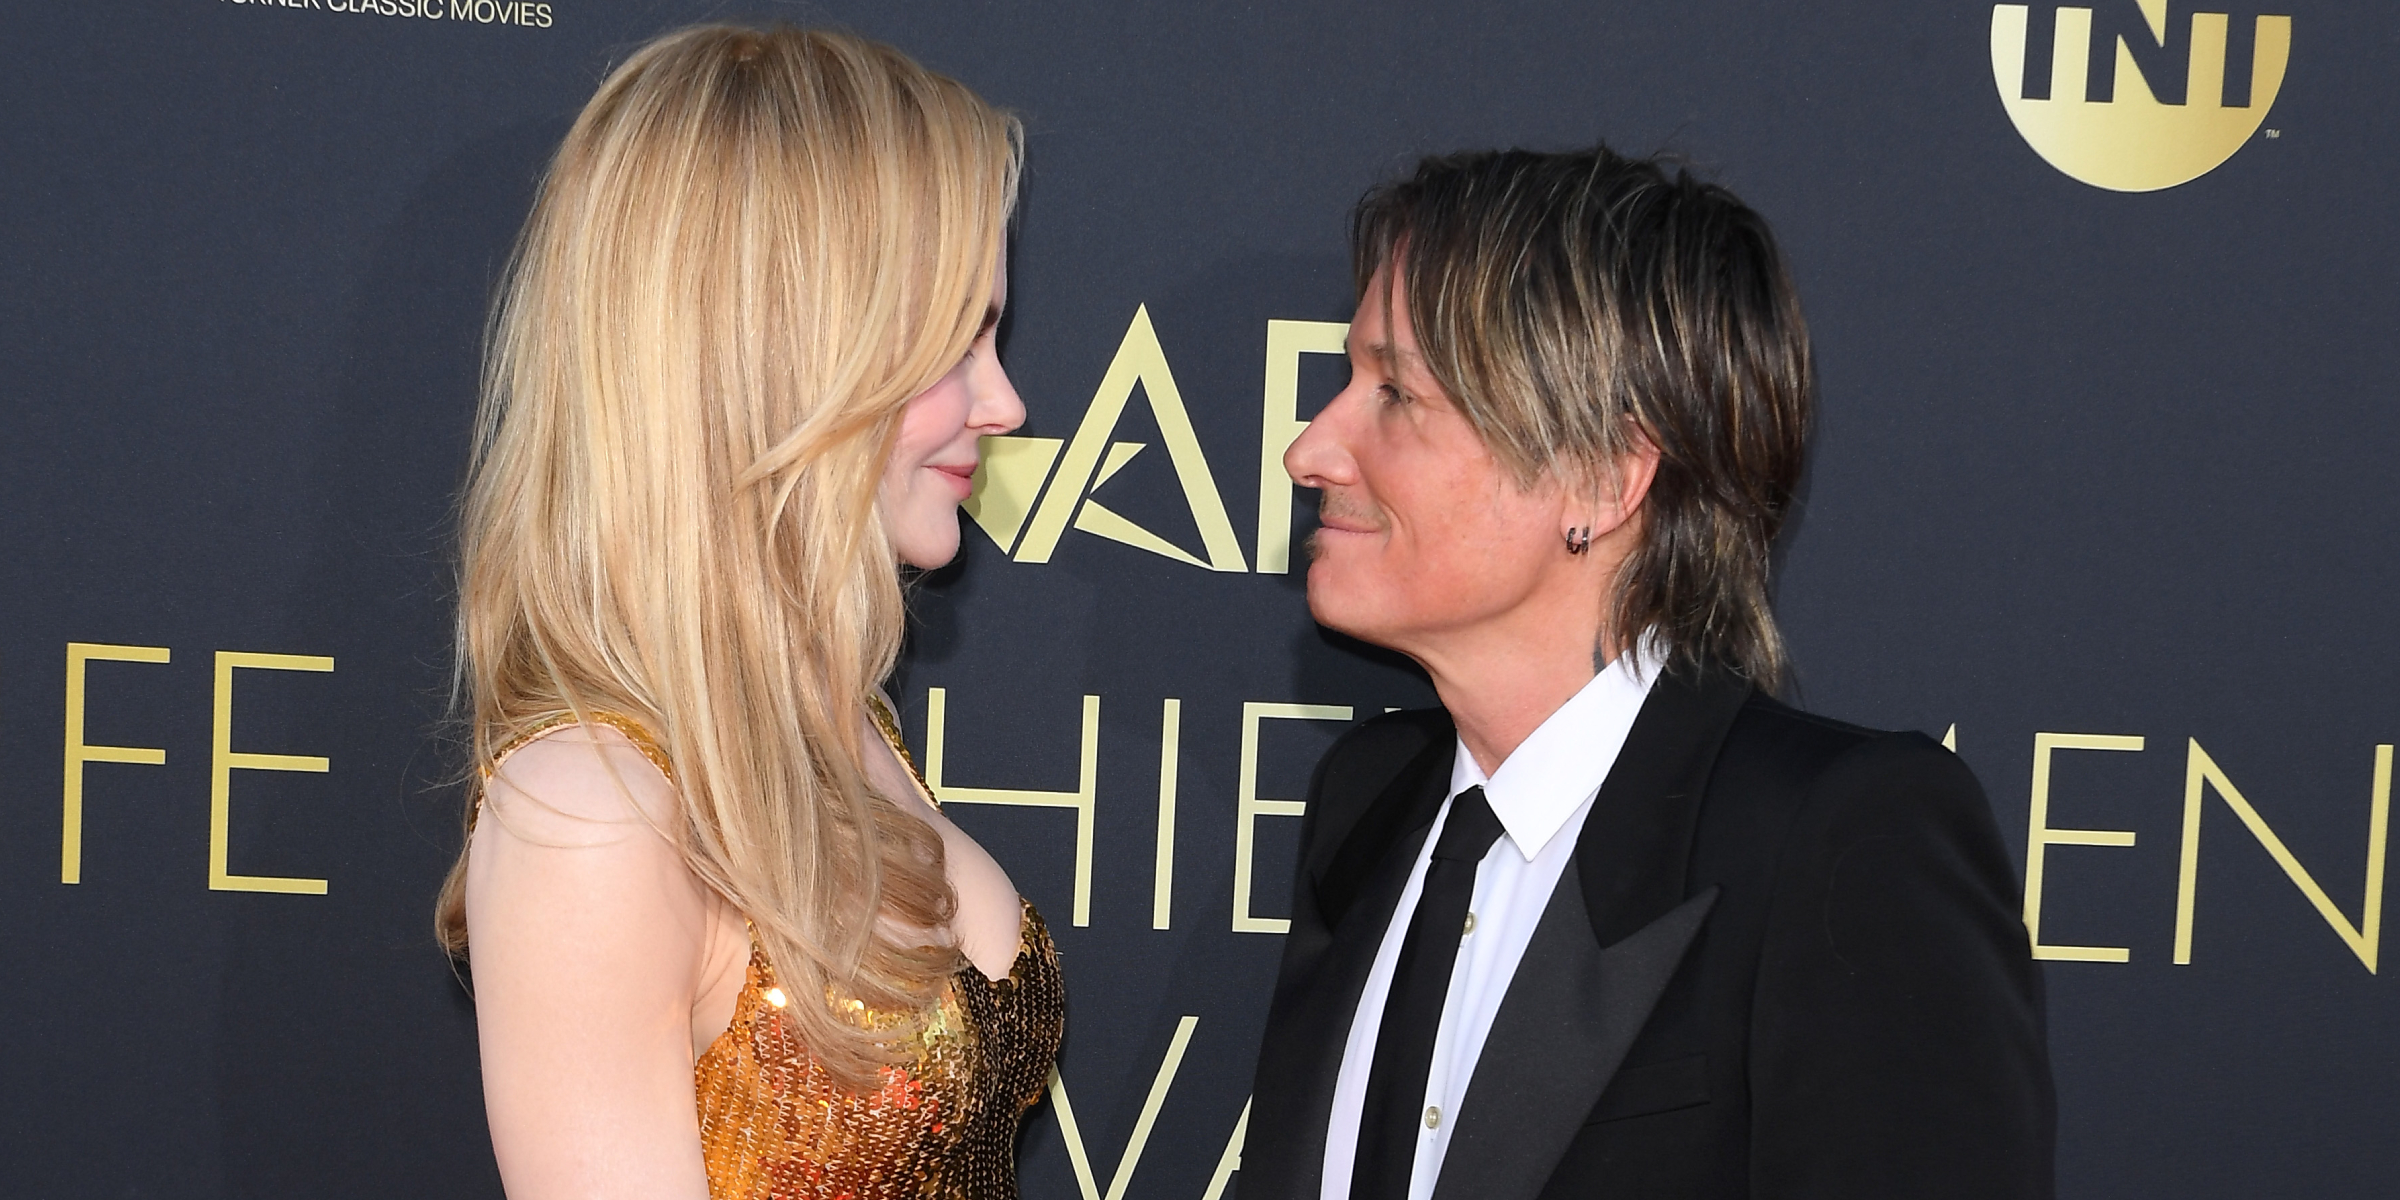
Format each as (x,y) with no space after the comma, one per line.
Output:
(2148,133)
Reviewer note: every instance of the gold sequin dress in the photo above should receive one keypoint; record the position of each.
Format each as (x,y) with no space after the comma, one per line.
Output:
(944,1123)
(774,1127)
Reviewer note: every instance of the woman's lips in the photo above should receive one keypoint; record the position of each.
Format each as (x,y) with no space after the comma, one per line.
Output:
(961,478)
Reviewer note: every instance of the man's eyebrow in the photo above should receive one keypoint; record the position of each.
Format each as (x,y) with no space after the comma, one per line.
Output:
(1384,352)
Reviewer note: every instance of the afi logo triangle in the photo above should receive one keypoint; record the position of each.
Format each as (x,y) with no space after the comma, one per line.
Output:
(2136,95)
(1014,468)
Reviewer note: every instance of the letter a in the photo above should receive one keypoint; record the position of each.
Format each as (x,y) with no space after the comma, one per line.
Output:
(1140,359)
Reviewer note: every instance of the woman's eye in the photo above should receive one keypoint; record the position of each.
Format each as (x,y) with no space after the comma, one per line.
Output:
(1389,395)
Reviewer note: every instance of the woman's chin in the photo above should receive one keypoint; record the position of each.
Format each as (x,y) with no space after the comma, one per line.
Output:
(927,550)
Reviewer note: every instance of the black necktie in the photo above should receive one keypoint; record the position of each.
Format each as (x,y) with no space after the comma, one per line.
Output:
(1394,1113)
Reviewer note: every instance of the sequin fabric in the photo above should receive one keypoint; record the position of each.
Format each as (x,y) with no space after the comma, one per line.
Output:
(773,1126)
(944,1124)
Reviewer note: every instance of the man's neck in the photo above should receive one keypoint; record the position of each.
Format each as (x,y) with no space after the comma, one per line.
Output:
(1499,695)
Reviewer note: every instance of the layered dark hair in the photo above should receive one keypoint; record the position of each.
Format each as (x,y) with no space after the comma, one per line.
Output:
(1573,305)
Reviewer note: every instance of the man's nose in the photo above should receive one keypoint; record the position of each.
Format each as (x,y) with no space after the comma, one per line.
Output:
(1320,455)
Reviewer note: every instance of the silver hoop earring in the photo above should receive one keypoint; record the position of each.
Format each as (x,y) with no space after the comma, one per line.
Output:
(1579,540)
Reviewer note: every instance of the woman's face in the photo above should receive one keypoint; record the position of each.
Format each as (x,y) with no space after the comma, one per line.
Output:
(933,463)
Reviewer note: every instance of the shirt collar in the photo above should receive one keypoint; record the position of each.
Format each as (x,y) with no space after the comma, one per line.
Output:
(1562,764)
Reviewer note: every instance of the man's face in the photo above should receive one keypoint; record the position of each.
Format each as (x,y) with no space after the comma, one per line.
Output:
(1425,537)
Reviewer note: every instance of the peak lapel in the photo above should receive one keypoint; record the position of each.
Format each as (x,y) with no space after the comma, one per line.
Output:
(1556,1042)
(1401,814)
(1613,934)
(1301,1058)
(1637,844)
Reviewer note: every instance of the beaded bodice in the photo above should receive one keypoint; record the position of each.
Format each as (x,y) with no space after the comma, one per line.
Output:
(943,1124)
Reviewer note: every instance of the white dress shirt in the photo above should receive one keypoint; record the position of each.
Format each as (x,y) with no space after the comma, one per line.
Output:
(1541,794)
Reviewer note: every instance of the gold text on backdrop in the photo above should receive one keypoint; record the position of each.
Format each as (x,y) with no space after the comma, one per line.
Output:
(1016,493)
(2175,105)
(2201,775)
(224,760)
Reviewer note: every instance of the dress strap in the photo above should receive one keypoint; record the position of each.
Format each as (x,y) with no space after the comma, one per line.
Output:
(889,726)
(632,729)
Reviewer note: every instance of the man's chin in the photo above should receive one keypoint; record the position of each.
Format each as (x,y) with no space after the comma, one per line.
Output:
(1334,606)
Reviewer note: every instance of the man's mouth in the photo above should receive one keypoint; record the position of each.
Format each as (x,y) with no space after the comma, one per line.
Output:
(1347,518)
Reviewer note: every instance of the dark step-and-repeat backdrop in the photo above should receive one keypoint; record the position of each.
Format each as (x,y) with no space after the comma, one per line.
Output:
(2104,300)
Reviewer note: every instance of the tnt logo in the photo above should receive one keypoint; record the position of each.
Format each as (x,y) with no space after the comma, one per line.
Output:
(2136,95)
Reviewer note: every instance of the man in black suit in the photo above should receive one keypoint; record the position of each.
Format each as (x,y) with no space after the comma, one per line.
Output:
(1614,922)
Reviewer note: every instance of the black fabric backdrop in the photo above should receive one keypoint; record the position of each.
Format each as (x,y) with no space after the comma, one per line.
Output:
(2091,463)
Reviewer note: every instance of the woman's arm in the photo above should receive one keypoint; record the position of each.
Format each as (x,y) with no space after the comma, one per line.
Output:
(586,936)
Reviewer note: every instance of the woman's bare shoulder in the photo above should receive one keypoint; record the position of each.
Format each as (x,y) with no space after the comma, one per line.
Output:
(580,785)
(576,851)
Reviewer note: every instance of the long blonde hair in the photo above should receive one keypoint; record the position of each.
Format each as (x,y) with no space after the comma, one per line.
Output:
(752,249)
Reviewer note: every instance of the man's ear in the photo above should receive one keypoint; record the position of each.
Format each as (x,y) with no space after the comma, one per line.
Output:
(1617,490)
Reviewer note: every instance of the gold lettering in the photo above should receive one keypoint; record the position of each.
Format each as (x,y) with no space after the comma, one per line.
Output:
(2201,771)
(2039,837)
(1231,1160)
(1160,1084)
(1082,799)
(1140,360)
(1008,477)
(1279,424)
(224,761)
(1249,808)
(2131,142)
(70,838)
(1162,872)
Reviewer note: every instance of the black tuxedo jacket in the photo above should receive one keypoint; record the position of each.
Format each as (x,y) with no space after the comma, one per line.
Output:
(1785,963)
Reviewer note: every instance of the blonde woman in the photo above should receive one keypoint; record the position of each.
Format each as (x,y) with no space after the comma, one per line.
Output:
(722,942)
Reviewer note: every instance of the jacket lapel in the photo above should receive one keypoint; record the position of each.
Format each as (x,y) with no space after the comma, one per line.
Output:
(1637,844)
(1402,814)
(1613,934)
(1355,895)
(1556,1042)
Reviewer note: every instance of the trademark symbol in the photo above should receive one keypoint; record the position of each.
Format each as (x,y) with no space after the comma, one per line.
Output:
(2274,133)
